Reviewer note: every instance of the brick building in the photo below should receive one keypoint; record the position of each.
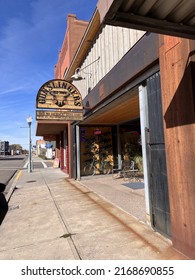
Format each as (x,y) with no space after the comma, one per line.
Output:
(142,80)
(60,131)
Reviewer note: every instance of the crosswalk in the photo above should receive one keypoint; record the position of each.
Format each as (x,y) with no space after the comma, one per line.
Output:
(39,164)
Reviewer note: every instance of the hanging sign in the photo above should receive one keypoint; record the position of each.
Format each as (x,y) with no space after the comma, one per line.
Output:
(59,115)
(59,94)
(56,163)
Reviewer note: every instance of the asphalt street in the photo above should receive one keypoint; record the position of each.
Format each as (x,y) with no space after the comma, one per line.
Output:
(9,165)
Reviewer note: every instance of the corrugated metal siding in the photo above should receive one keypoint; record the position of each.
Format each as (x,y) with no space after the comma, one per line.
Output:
(178,11)
(170,17)
(111,44)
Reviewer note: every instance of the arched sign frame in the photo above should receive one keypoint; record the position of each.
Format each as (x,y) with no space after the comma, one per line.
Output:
(59,94)
(62,98)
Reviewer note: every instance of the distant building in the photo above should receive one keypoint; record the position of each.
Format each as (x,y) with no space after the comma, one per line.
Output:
(45,148)
(40,146)
(4,147)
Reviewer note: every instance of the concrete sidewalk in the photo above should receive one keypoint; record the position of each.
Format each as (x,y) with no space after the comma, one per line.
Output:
(52,217)
(129,196)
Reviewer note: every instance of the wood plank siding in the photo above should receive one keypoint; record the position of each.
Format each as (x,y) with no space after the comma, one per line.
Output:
(110,44)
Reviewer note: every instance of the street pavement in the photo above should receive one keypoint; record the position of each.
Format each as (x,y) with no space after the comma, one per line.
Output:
(9,165)
(51,217)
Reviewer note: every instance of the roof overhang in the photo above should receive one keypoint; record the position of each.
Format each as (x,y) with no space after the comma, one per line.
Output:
(123,109)
(175,18)
(50,127)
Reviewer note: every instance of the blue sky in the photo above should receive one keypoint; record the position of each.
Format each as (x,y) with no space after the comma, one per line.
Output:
(31,35)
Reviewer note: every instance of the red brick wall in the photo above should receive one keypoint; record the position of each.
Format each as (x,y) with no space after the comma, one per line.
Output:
(74,33)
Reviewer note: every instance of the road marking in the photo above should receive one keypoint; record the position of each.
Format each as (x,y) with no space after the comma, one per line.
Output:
(43,163)
(13,186)
(18,175)
(45,166)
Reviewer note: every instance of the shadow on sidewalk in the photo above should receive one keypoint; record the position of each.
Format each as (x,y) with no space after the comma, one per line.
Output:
(3,203)
(134,185)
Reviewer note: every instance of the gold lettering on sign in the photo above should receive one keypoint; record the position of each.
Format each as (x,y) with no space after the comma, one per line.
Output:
(59,94)
(59,115)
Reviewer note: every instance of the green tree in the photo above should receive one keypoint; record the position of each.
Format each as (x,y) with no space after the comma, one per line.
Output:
(16,148)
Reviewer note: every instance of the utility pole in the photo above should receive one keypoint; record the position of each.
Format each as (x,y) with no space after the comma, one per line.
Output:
(29,121)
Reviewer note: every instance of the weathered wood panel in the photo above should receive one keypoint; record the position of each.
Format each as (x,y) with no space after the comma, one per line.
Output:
(139,58)
(177,64)
(111,44)
(121,110)
(158,185)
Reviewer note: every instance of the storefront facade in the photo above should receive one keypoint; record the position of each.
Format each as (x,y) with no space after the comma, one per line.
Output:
(130,96)
(176,59)
(117,86)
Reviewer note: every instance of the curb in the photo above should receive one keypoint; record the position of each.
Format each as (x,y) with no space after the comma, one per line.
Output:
(13,185)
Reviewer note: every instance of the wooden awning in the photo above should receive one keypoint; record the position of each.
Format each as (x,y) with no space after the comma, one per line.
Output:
(50,127)
(121,110)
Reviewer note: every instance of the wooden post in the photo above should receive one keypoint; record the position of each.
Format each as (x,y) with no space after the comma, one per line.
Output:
(70,151)
(177,68)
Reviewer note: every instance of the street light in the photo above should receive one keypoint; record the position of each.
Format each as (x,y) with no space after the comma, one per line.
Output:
(29,121)
(77,76)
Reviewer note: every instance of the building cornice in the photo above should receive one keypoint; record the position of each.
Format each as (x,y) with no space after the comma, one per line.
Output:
(85,44)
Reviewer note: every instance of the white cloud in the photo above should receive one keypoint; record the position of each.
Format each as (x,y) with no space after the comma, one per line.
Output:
(10,90)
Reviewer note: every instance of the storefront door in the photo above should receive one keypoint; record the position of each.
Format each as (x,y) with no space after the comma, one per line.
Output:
(158,186)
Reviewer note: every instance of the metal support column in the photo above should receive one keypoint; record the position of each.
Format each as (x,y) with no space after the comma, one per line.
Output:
(143,103)
(119,146)
(78,152)
(30,150)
